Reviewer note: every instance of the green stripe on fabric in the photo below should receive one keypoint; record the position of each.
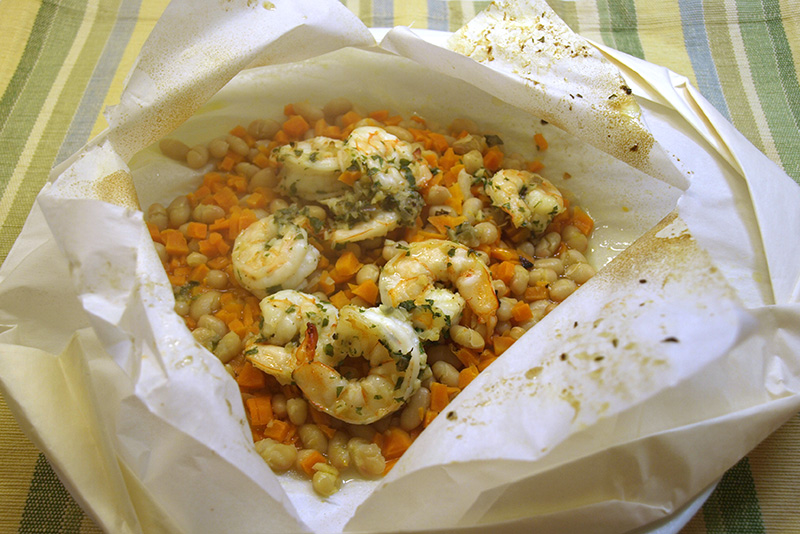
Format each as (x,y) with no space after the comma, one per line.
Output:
(777,105)
(625,26)
(49,507)
(787,148)
(54,49)
(733,506)
(604,15)
(30,56)
(723,55)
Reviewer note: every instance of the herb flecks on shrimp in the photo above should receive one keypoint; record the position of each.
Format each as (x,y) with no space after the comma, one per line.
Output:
(355,272)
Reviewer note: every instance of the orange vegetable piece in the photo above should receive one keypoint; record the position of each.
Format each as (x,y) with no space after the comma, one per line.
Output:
(395,442)
(466,357)
(260,409)
(349,177)
(443,222)
(440,397)
(535,166)
(582,221)
(310,460)
(250,378)
(175,243)
(197,230)
(537,292)
(295,126)
(503,271)
(380,115)
(340,299)
(493,159)
(367,290)
(347,265)
(467,375)
(521,312)
(350,118)
(277,430)
(501,343)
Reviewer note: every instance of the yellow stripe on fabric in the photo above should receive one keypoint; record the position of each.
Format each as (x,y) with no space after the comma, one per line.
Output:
(411,13)
(48,107)
(588,17)
(16,24)
(18,459)
(661,34)
(149,14)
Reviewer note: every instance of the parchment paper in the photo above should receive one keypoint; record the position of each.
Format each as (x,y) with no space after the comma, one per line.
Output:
(582,425)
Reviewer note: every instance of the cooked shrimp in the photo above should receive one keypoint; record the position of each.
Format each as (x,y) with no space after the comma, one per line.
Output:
(311,168)
(410,277)
(387,340)
(287,315)
(530,200)
(378,226)
(273,252)
(392,163)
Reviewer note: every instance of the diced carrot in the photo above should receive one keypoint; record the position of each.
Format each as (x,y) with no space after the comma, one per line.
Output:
(367,290)
(256,200)
(277,430)
(456,200)
(536,292)
(350,118)
(521,312)
(443,222)
(347,265)
(393,120)
(535,166)
(295,126)
(260,409)
(484,363)
(175,243)
(504,254)
(501,343)
(226,163)
(349,177)
(467,375)
(439,396)
(582,221)
(238,326)
(430,415)
(340,299)
(396,441)
(380,115)
(541,142)
(311,459)
(197,230)
(326,283)
(155,233)
(280,138)
(288,109)
(226,198)
(199,273)
(493,159)
(262,160)
(219,263)
(448,159)
(466,357)
(250,378)
(237,183)
(503,271)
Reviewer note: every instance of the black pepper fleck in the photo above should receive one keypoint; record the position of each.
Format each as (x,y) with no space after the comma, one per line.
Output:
(451,416)
(670,339)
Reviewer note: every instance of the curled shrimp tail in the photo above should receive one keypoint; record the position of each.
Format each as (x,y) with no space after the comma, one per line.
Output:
(306,350)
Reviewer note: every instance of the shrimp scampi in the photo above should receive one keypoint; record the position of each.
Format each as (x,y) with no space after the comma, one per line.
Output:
(384,338)
(530,200)
(273,252)
(286,316)
(411,277)
(355,272)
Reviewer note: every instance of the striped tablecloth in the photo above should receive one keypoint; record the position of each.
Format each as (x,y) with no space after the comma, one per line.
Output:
(63,61)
